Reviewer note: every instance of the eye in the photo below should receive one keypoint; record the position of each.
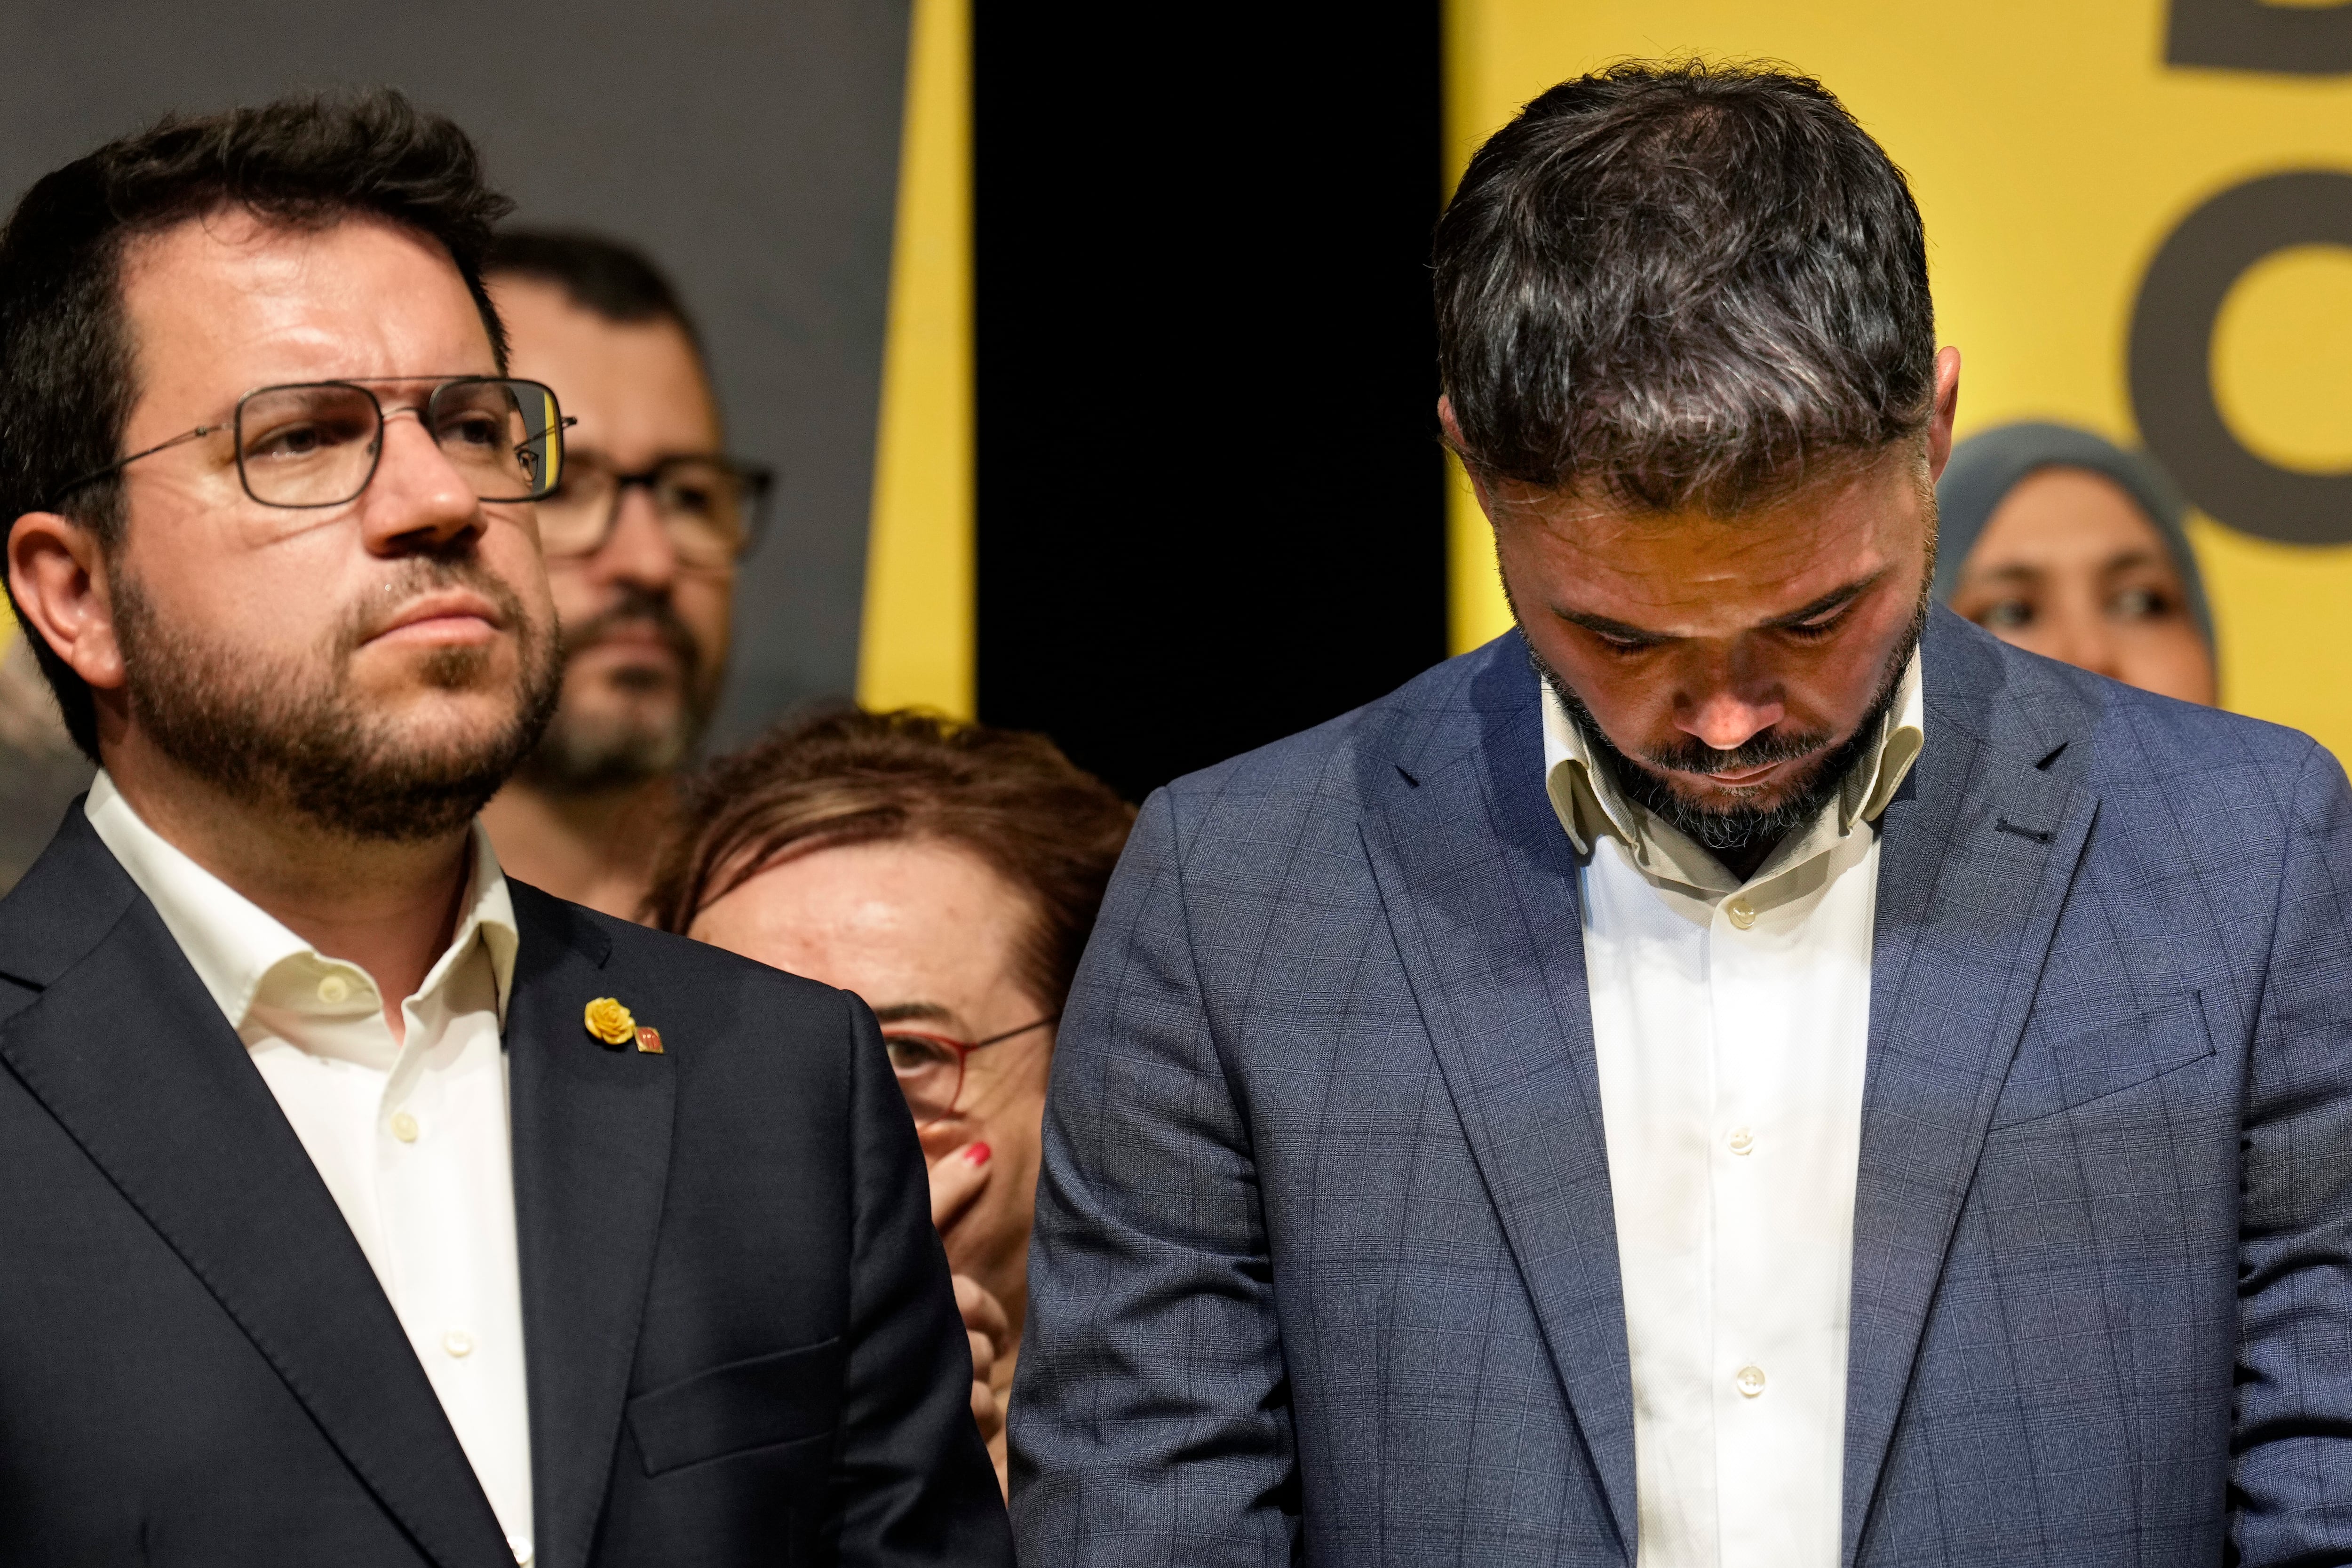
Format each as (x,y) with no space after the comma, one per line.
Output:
(2141,604)
(1620,643)
(911,1054)
(480,431)
(1819,625)
(299,439)
(2006,616)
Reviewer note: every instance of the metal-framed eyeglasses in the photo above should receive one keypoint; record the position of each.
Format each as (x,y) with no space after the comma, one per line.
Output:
(712,507)
(930,1067)
(317,443)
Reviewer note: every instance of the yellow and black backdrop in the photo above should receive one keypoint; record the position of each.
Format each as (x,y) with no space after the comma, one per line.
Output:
(1095,350)
(1203,426)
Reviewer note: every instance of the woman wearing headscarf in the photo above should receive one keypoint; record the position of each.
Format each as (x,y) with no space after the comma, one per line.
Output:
(2065,544)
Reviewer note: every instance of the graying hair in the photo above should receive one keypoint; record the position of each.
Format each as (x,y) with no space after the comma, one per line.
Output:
(1682,285)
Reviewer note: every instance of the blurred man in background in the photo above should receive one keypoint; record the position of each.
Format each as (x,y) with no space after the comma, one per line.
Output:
(641,542)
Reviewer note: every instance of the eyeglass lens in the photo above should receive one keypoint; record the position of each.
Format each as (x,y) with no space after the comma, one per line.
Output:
(317,445)
(930,1072)
(705,505)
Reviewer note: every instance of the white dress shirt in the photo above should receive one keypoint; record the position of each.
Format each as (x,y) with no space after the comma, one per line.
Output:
(411,1139)
(1731,1021)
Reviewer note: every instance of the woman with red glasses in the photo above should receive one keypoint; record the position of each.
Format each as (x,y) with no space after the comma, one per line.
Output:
(948,874)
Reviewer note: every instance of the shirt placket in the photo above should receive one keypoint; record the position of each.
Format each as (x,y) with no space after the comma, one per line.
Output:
(439,1224)
(1756,1390)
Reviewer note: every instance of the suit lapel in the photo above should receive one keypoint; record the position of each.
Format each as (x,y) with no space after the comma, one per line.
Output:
(592,1136)
(132,1058)
(1976,855)
(1479,882)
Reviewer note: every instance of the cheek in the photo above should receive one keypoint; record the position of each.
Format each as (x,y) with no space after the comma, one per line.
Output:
(511,550)
(574,597)
(705,605)
(2169,657)
(283,602)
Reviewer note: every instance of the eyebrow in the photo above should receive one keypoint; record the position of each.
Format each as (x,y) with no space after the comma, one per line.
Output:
(913,1012)
(1834,599)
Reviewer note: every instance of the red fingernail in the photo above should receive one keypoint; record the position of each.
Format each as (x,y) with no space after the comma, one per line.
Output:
(977,1153)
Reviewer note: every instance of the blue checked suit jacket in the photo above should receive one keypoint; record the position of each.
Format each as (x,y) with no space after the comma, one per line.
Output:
(1325,1263)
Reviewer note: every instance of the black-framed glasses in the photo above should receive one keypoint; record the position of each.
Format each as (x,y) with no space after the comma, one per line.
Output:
(930,1067)
(317,443)
(712,507)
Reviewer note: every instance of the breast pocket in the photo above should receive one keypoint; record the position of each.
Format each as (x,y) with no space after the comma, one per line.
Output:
(2057,1072)
(790,1396)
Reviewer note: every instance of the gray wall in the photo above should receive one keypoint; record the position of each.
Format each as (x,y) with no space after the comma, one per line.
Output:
(751,145)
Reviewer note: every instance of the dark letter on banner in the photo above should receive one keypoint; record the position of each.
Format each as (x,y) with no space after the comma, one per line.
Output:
(2250,36)
(2172,347)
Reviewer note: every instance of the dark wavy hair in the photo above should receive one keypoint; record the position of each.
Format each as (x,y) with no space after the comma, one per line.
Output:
(843,776)
(606,276)
(67,378)
(1682,284)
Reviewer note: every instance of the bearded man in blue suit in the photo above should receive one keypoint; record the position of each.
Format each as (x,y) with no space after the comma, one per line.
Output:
(1745,1068)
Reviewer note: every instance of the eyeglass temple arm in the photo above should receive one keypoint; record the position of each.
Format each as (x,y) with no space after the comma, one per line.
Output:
(1053,1017)
(181,439)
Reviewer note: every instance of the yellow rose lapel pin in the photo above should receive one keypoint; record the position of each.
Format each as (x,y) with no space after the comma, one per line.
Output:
(610,1022)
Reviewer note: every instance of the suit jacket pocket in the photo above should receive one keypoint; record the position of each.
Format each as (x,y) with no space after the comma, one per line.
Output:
(2059,1069)
(746,1404)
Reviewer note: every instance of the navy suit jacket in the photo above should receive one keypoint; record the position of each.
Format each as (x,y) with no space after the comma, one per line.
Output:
(1325,1256)
(741,1344)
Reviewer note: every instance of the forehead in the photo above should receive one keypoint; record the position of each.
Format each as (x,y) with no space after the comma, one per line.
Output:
(2058,516)
(1692,572)
(224,303)
(638,387)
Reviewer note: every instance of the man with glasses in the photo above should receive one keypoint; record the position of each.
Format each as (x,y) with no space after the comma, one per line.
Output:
(641,537)
(363,1205)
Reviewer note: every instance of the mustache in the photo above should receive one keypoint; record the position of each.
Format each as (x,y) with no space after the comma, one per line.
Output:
(1693,755)
(639,607)
(418,575)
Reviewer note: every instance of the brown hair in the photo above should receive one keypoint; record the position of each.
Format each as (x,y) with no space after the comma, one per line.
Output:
(843,776)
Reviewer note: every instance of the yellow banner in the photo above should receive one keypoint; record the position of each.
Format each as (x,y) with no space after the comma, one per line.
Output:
(2139,219)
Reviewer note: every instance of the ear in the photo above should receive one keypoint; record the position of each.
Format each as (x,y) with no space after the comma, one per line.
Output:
(1453,440)
(1947,407)
(58,573)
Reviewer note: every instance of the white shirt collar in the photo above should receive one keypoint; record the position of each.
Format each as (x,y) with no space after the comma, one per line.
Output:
(1589,804)
(233,944)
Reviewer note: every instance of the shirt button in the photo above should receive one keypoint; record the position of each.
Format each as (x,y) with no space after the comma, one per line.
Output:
(520,1545)
(1750,1382)
(458,1342)
(1742,913)
(1742,1141)
(403,1127)
(334,989)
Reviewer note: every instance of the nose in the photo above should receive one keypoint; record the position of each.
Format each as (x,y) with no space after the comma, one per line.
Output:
(639,549)
(1727,720)
(417,501)
(2080,635)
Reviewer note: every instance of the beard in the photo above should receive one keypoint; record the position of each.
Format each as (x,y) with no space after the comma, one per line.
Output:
(596,752)
(1742,826)
(302,738)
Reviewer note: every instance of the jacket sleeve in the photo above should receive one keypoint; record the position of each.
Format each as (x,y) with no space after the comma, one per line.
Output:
(2292,1480)
(912,1481)
(1149,1421)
